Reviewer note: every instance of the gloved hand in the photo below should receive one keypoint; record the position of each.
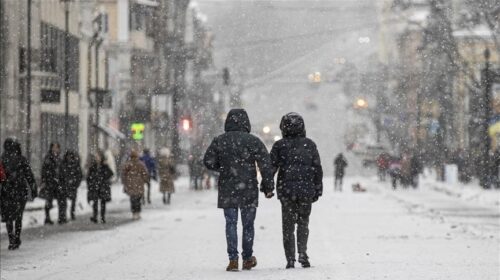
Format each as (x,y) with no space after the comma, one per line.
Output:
(269,195)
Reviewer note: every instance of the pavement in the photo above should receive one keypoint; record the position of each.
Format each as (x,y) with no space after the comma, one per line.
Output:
(379,234)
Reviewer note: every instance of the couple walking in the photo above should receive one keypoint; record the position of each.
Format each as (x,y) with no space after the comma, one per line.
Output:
(235,155)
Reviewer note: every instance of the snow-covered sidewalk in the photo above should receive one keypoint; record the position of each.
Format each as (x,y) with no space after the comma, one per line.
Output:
(369,235)
(34,215)
(468,192)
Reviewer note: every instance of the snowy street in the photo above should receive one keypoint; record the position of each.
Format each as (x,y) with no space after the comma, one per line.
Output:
(380,234)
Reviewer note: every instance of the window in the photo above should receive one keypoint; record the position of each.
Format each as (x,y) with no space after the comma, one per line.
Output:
(22,59)
(51,96)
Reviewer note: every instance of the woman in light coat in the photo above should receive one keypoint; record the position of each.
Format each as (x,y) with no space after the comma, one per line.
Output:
(166,169)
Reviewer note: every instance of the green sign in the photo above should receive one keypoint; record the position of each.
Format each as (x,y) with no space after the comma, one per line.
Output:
(137,131)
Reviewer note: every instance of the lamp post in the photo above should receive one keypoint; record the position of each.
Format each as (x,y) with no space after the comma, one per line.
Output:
(66,73)
(28,85)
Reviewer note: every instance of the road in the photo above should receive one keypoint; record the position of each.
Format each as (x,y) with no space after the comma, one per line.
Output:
(380,234)
(274,45)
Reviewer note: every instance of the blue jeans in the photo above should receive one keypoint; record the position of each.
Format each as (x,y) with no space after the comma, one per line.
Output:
(247,219)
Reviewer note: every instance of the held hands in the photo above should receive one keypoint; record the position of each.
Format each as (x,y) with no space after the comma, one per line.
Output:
(269,195)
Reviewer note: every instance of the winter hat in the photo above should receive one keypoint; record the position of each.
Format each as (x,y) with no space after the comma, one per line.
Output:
(134,154)
(292,125)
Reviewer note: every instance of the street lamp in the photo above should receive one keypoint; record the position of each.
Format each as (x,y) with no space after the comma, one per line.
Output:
(361,103)
(266,129)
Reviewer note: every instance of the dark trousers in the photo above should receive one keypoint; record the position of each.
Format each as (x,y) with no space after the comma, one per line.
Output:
(338,182)
(95,208)
(293,212)
(247,219)
(167,197)
(73,207)
(62,206)
(15,226)
(148,193)
(135,204)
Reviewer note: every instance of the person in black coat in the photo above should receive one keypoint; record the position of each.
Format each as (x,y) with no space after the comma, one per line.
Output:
(340,164)
(71,177)
(99,185)
(18,187)
(300,183)
(234,155)
(52,188)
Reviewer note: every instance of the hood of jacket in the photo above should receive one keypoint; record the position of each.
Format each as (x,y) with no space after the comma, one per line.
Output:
(292,125)
(237,120)
(12,155)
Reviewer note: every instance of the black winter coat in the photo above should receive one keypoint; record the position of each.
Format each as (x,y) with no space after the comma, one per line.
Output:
(52,188)
(98,182)
(297,161)
(19,183)
(340,164)
(71,177)
(234,155)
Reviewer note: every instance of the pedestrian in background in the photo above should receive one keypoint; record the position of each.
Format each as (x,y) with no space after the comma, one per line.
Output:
(134,177)
(196,171)
(382,165)
(395,171)
(167,172)
(51,185)
(340,164)
(150,164)
(71,178)
(300,183)
(16,188)
(235,154)
(416,168)
(99,185)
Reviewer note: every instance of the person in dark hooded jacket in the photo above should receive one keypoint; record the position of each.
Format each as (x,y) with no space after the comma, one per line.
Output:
(18,187)
(99,185)
(52,188)
(234,155)
(71,177)
(300,183)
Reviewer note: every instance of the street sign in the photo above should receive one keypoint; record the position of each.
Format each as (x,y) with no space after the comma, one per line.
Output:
(137,130)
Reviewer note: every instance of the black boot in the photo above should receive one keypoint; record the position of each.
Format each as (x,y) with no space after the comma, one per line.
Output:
(12,242)
(48,221)
(94,220)
(164,199)
(304,260)
(16,244)
(290,264)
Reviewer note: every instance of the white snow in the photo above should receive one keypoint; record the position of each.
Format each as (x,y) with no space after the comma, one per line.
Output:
(380,234)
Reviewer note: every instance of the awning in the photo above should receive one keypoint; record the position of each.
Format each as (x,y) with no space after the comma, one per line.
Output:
(149,3)
(112,132)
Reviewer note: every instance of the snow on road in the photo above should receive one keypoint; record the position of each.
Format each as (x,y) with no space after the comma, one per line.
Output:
(373,235)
